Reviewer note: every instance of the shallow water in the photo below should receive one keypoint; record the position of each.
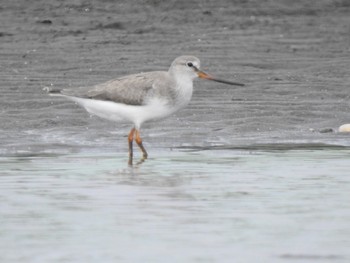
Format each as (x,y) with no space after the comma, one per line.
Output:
(193,205)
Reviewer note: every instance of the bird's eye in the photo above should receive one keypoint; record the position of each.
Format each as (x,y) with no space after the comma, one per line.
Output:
(190,64)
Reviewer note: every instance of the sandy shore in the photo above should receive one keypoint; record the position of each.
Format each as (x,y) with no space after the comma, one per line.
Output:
(294,59)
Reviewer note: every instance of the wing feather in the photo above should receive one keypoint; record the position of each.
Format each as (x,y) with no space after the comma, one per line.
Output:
(131,90)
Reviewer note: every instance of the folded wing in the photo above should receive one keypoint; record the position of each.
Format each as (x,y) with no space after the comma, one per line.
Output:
(131,90)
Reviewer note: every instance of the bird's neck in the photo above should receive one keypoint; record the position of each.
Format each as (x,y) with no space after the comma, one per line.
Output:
(183,89)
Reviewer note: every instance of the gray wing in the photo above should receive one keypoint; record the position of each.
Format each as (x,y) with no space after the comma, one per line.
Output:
(131,90)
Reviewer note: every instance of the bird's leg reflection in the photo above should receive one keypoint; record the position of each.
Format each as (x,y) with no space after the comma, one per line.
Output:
(142,160)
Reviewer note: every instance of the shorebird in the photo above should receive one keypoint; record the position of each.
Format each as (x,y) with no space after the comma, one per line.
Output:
(141,97)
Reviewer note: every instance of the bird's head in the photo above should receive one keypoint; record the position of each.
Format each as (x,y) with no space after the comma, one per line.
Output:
(189,66)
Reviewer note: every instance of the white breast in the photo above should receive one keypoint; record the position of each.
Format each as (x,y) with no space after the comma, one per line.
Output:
(184,89)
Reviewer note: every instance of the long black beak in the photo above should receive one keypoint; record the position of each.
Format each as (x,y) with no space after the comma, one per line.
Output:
(204,75)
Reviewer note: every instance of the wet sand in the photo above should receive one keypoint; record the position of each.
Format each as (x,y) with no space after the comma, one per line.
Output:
(293,58)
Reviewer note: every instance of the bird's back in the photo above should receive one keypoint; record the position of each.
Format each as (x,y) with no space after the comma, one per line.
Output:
(130,90)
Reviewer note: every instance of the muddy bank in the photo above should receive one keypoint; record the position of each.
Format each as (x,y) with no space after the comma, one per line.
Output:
(294,59)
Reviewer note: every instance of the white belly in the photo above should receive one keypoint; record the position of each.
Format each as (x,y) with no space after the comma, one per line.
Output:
(155,109)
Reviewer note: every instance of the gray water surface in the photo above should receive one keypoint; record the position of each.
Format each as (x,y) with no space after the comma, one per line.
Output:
(181,206)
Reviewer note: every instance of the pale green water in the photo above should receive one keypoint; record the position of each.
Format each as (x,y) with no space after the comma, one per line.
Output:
(207,206)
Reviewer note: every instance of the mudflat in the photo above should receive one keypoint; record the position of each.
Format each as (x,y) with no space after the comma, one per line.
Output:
(293,58)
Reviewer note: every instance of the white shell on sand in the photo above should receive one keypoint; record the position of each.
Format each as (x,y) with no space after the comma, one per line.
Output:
(344,128)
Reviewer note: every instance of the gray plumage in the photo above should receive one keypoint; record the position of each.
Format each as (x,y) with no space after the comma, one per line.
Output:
(131,90)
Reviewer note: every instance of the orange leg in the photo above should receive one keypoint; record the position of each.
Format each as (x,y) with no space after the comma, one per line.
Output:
(138,140)
(130,140)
